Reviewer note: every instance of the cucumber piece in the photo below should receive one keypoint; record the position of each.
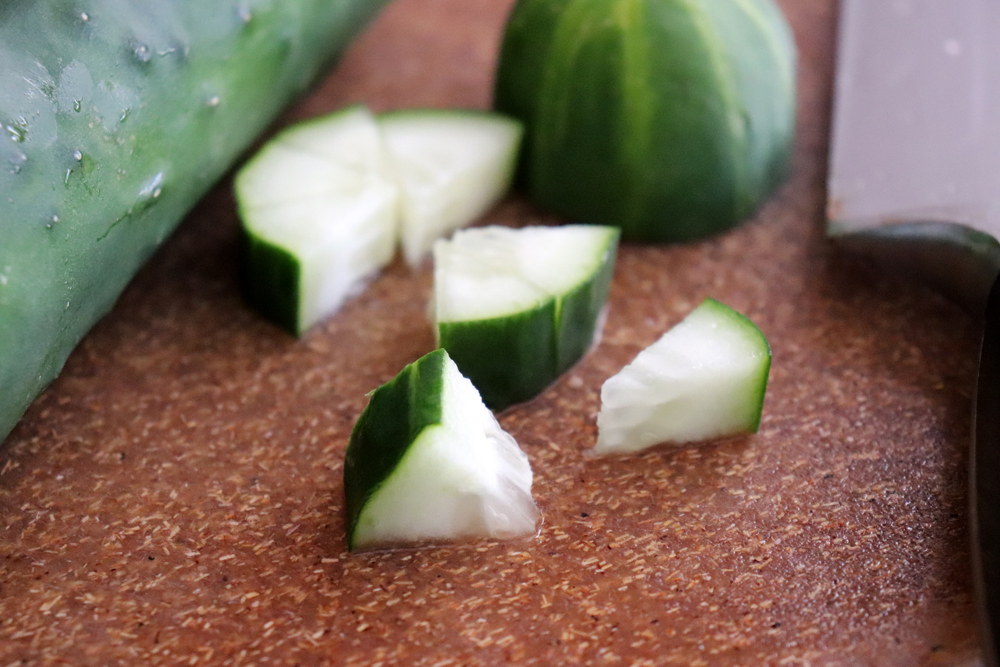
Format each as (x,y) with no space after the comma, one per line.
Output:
(318,205)
(428,463)
(673,119)
(451,165)
(117,115)
(515,308)
(324,202)
(703,379)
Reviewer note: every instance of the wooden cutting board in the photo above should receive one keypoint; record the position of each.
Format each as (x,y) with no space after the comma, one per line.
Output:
(176,496)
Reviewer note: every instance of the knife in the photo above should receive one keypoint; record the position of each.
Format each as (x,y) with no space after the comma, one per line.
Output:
(914,184)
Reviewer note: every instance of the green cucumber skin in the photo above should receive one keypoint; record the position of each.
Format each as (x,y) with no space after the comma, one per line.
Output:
(117,117)
(689,143)
(738,320)
(381,439)
(270,277)
(512,361)
(522,356)
(581,310)
(520,67)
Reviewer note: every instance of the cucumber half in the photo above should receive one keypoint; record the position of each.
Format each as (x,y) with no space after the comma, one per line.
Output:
(703,379)
(671,118)
(451,166)
(515,308)
(428,463)
(318,205)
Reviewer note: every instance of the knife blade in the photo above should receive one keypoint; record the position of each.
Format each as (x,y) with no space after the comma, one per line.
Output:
(914,184)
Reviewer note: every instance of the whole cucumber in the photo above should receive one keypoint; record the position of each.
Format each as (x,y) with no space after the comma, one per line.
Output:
(116,117)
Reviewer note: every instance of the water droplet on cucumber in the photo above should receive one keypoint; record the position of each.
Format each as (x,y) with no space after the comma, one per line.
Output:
(149,194)
(15,133)
(17,162)
(154,186)
(142,53)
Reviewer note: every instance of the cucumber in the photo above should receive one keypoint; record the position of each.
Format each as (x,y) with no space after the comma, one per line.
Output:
(117,116)
(672,119)
(319,209)
(428,463)
(703,379)
(451,165)
(324,203)
(515,308)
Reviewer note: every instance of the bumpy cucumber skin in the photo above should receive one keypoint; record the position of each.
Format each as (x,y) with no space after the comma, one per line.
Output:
(381,437)
(512,359)
(117,117)
(672,119)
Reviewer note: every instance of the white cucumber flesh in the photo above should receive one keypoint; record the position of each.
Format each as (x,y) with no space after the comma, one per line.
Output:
(494,271)
(451,166)
(703,379)
(428,463)
(320,198)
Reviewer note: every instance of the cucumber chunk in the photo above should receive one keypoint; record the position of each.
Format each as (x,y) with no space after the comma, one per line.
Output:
(515,308)
(322,204)
(428,463)
(451,165)
(319,205)
(703,379)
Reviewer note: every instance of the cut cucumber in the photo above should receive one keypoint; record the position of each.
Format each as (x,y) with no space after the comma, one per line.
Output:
(451,165)
(671,118)
(516,307)
(703,379)
(322,204)
(319,206)
(428,463)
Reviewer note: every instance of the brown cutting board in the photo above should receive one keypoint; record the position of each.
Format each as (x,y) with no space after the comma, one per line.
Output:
(176,496)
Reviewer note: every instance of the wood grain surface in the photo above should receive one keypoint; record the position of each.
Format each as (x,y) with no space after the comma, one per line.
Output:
(175,498)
